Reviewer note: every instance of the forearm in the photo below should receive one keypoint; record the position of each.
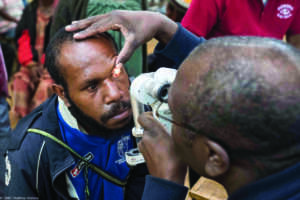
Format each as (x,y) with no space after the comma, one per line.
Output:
(166,30)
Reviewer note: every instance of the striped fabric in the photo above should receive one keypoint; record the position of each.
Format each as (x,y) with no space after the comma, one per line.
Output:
(28,92)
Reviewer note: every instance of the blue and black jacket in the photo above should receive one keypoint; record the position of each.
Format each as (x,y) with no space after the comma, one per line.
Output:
(36,165)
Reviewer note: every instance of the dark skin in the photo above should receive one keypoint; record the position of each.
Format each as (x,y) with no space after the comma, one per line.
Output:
(91,85)
(135,32)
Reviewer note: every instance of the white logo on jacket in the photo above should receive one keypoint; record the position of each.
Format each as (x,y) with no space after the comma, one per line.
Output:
(7,171)
(285,11)
(122,148)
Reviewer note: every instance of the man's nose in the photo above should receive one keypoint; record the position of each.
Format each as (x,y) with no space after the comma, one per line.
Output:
(112,91)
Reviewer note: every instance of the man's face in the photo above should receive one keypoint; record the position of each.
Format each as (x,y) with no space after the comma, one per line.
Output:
(87,69)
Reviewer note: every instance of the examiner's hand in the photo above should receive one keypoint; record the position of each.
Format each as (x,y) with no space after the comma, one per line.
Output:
(157,148)
(137,27)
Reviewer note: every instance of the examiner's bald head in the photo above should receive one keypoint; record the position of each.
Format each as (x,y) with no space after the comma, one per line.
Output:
(243,93)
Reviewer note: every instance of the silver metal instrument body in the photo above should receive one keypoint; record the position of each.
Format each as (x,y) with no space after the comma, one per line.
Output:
(149,89)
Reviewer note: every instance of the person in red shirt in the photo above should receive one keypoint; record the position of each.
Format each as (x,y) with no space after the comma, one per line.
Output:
(266,18)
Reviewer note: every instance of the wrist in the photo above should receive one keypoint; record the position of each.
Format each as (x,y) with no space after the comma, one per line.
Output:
(174,172)
(166,30)
(175,179)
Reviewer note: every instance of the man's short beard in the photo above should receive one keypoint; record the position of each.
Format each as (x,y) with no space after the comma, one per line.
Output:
(92,126)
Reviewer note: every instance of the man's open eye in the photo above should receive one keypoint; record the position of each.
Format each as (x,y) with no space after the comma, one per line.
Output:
(92,88)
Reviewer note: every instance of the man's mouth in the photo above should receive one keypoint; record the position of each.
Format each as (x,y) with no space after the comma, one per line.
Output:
(123,114)
(118,112)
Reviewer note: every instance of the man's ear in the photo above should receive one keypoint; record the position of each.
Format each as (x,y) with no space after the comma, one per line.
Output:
(218,160)
(60,91)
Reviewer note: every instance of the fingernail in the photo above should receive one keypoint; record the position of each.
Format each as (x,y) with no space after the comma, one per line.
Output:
(68,27)
(119,65)
(116,71)
(73,22)
(118,62)
(76,34)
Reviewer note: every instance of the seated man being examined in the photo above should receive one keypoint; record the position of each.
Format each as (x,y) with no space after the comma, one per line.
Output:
(73,145)
(240,125)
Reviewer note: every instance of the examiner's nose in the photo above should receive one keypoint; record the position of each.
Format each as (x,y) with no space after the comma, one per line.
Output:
(113,92)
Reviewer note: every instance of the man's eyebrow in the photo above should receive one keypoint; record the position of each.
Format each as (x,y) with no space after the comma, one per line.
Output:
(89,82)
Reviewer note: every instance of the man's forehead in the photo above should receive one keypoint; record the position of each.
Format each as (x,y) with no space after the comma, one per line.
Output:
(95,42)
(72,51)
(86,57)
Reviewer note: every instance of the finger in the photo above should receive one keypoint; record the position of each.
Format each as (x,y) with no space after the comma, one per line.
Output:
(87,32)
(81,24)
(152,127)
(146,148)
(125,53)
(143,149)
(130,44)
(145,120)
(141,146)
(98,27)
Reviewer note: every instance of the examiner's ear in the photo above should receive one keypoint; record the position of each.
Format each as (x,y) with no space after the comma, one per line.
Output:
(59,91)
(218,161)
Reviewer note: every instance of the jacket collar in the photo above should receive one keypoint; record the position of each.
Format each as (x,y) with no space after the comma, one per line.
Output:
(68,117)
(282,185)
(60,159)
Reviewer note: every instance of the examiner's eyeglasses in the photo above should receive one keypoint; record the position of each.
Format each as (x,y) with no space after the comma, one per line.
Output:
(190,128)
(183,125)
